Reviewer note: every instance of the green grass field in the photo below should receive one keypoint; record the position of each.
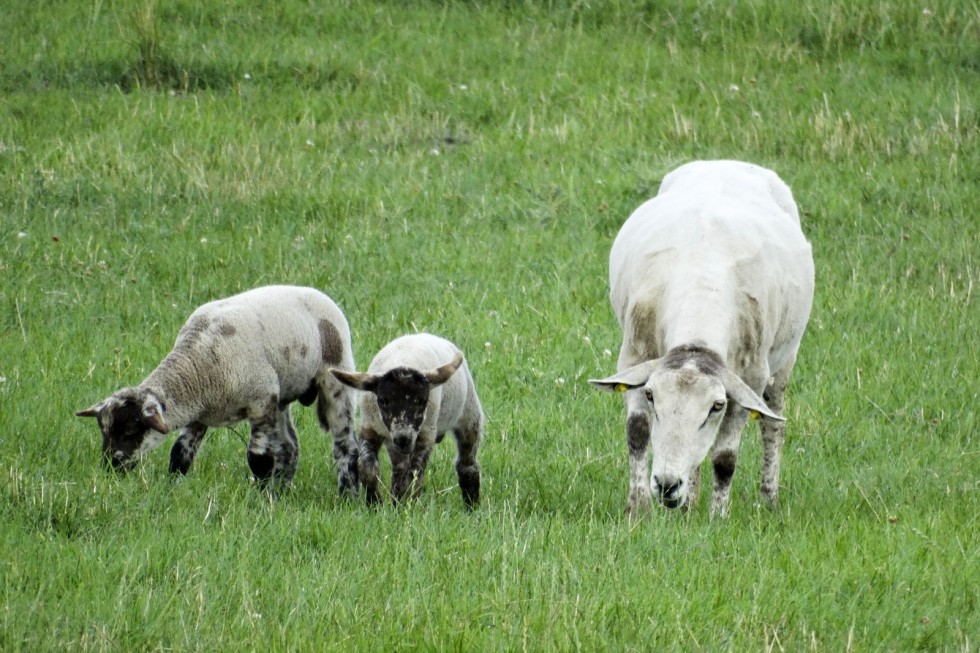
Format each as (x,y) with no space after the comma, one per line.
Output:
(462,168)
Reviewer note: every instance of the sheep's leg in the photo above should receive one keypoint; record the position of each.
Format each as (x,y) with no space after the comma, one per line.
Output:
(772,437)
(419,461)
(640,499)
(401,472)
(335,412)
(273,449)
(724,455)
(694,481)
(368,468)
(468,439)
(185,448)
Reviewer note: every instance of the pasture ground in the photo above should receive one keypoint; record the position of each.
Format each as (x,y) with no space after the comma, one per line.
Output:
(462,168)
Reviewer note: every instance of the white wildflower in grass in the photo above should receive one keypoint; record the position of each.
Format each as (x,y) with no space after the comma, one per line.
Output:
(247,76)
(487,345)
(606,353)
(587,340)
(733,88)
(204,241)
(22,234)
(560,382)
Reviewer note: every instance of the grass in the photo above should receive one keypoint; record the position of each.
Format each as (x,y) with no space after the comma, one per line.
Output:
(462,168)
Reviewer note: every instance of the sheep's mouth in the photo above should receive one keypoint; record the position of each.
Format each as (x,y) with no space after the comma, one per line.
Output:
(117,462)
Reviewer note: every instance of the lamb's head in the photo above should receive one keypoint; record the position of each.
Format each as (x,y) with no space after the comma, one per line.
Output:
(403,395)
(684,396)
(131,421)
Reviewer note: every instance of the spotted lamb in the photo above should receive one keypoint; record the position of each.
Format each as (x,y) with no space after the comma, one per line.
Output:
(417,388)
(246,357)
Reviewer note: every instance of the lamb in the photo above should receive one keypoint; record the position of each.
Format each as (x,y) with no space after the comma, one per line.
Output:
(246,357)
(712,283)
(417,388)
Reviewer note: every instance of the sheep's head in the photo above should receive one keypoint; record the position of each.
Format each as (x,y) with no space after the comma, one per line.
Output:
(685,396)
(131,422)
(403,395)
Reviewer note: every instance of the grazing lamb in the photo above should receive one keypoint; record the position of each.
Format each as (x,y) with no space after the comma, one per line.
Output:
(712,283)
(247,357)
(417,388)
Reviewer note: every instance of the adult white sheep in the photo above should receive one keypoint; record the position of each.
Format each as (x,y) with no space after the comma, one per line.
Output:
(417,388)
(247,357)
(712,284)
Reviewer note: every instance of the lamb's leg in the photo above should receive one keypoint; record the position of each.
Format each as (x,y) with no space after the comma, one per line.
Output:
(724,455)
(335,411)
(185,448)
(468,437)
(772,437)
(368,468)
(419,461)
(401,472)
(272,449)
(640,499)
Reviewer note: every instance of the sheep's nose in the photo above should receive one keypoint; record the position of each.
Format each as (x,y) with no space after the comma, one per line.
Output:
(669,490)
(404,443)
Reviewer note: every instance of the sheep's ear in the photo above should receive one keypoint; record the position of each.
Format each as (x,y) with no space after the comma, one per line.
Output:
(91,411)
(153,418)
(442,373)
(628,379)
(739,392)
(356,380)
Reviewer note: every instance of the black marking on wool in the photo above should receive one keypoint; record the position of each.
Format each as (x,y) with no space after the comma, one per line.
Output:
(637,433)
(310,394)
(724,467)
(645,330)
(331,345)
(705,361)
(227,329)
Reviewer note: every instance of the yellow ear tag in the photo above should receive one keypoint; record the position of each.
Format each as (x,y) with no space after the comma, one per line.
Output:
(621,387)
(754,414)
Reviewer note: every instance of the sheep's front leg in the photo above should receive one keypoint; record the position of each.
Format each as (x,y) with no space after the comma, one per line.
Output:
(185,448)
(368,468)
(401,472)
(273,450)
(724,455)
(468,439)
(640,499)
(336,414)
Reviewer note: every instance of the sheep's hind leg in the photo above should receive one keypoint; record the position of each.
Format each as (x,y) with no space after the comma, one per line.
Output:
(368,468)
(467,468)
(336,415)
(273,450)
(185,448)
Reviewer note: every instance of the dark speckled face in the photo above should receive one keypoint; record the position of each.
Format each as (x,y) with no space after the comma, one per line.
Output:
(123,434)
(129,427)
(402,397)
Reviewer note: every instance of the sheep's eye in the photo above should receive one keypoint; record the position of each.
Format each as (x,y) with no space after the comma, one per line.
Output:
(649,394)
(717,406)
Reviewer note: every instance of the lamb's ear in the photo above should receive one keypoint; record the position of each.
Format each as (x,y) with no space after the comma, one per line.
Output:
(739,392)
(91,411)
(356,380)
(442,373)
(628,379)
(153,418)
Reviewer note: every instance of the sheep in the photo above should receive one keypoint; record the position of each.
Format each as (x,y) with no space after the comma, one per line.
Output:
(246,357)
(417,388)
(712,284)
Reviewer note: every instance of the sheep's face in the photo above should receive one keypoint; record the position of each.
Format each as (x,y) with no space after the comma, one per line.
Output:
(686,409)
(403,395)
(131,425)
